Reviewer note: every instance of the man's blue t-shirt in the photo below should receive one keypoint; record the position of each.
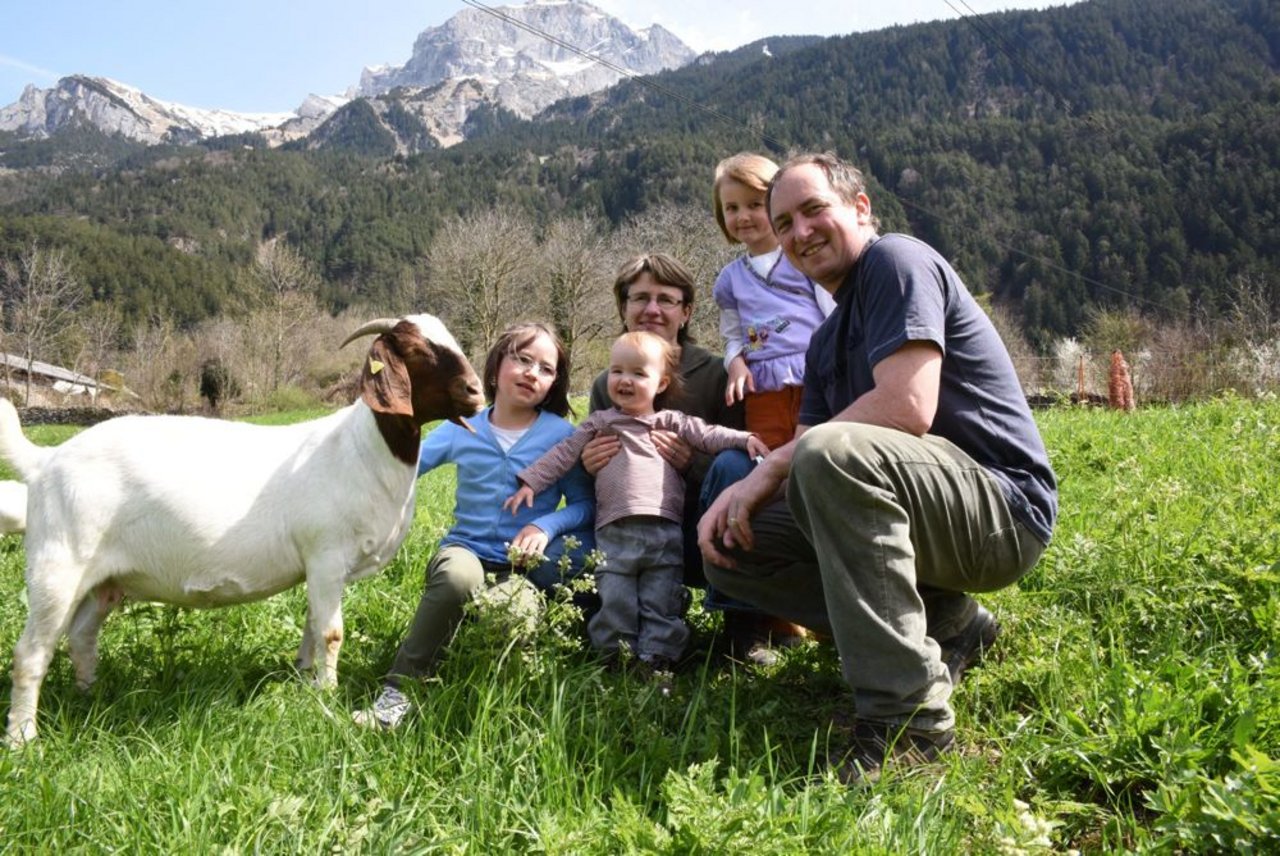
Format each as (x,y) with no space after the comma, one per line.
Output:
(901,290)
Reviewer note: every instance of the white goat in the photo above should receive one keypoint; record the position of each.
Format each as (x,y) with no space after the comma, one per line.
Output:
(200,512)
(13,507)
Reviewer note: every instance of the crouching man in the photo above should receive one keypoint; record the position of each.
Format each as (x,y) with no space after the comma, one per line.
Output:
(917,474)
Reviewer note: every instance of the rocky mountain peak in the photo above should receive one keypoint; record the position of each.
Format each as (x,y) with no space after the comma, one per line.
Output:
(520,58)
(527,56)
(114,107)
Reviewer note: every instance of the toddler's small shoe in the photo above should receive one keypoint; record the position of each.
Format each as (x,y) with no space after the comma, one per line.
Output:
(387,713)
(661,671)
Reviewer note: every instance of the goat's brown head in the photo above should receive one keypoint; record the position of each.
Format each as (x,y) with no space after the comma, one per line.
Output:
(415,371)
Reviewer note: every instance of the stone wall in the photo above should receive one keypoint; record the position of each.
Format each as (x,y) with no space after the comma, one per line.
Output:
(66,415)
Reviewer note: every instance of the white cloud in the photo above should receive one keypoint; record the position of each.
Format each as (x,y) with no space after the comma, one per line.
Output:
(28,68)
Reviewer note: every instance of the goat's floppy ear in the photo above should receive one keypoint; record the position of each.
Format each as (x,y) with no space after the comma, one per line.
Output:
(384,382)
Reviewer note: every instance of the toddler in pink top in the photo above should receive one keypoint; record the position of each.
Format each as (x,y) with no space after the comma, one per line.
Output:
(639,500)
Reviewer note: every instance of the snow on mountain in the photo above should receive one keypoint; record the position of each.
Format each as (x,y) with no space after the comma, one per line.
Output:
(522,58)
(115,107)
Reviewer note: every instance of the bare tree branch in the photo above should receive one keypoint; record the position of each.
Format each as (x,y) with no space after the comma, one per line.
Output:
(286,304)
(482,274)
(41,295)
(576,270)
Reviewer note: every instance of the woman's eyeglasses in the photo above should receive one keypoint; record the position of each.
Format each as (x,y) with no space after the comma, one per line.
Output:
(664,301)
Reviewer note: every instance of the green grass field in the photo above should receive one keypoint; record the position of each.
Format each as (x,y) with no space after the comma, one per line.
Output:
(1133,704)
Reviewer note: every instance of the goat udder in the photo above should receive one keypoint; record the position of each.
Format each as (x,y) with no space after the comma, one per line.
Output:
(109,595)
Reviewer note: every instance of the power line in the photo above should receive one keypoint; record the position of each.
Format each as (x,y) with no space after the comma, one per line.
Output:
(1044,261)
(993,36)
(640,79)
(985,31)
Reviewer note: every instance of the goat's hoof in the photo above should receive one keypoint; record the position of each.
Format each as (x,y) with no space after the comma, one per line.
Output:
(16,737)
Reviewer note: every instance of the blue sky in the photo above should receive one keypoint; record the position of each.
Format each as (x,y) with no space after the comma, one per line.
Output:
(256,56)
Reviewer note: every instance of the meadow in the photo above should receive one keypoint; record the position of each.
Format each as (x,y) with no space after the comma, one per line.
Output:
(1132,704)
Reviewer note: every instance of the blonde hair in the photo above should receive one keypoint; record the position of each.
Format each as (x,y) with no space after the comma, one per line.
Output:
(670,356)
(748,169)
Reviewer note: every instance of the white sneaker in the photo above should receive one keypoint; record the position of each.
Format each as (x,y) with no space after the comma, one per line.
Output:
(388,710)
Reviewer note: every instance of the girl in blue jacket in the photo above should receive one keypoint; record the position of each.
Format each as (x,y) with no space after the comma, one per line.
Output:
(526,376)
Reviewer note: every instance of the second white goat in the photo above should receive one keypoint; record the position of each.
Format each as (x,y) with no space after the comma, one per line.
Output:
(201,512)
(13,507)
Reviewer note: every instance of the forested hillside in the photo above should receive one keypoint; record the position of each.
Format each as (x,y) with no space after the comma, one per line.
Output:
(1113,153)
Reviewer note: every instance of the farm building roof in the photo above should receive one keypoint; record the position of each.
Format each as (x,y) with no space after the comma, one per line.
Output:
(50,371)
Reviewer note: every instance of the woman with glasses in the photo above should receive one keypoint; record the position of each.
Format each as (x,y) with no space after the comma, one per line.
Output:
(655,293)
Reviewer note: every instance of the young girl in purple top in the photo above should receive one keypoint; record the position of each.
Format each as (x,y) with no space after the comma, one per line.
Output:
(768,309)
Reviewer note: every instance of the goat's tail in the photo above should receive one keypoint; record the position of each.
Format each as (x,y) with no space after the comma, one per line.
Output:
(17,451)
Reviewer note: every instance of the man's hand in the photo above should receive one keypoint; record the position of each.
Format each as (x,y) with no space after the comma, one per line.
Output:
(599,451)
(727,523)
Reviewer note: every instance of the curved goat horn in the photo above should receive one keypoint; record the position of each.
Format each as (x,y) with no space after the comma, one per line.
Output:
(381,325)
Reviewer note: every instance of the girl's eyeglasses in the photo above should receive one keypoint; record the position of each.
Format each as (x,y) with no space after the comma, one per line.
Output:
(529,364)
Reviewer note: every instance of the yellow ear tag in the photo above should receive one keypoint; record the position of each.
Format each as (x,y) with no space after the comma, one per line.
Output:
(375,366)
